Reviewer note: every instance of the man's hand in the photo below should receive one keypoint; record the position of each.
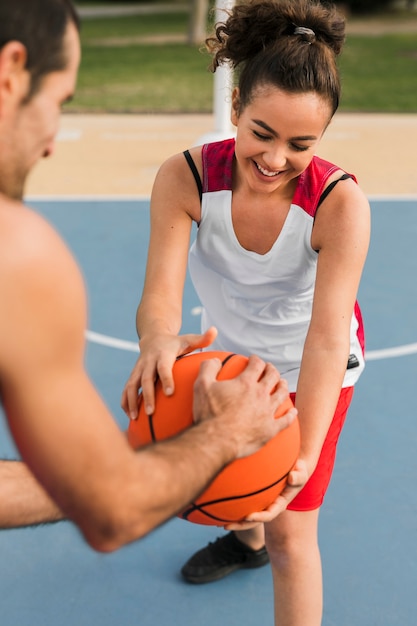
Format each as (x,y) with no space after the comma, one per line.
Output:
(244,406)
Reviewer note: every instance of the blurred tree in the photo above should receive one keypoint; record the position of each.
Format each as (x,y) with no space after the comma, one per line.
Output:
(365,6)
(197,30)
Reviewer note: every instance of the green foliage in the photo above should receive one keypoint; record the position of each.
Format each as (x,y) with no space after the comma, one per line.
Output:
(367,6)
(131,64)
(125,67)
(145,78)
(132,26)
(379,73)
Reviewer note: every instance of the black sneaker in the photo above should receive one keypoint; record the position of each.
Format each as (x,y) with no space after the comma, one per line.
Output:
(221,558)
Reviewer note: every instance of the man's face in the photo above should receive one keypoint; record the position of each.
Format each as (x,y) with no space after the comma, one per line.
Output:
(34,124)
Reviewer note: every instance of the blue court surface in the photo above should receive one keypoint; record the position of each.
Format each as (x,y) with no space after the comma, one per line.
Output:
(368,530)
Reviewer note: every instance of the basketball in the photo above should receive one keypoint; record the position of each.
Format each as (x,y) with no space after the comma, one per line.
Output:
(246,485)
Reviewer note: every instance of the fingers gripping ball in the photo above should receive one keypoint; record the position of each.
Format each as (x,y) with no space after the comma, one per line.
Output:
(245,486)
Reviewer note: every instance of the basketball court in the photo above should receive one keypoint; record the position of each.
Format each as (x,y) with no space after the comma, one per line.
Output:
(49,577)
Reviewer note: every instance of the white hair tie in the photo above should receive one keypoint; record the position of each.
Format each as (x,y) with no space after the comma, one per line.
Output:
(308,34)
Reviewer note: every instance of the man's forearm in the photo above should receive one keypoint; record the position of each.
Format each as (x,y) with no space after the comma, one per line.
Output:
(23,502)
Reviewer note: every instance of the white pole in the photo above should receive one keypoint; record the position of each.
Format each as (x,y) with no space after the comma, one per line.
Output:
(223,83)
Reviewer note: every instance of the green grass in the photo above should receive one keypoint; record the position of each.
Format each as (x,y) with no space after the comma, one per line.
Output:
(166,79)
(380,73)
(121,73)
(133,26)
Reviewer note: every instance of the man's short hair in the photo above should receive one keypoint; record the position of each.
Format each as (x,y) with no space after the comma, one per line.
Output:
(40,25)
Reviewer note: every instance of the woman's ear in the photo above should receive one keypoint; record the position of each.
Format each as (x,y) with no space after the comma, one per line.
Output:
(235,111)
(14,77)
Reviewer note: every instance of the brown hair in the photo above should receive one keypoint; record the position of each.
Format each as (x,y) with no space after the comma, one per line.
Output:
(291,44)
(40,25)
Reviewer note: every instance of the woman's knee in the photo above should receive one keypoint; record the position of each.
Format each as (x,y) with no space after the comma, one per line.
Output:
(291,535)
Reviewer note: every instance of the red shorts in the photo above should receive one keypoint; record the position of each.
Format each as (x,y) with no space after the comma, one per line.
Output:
(312,494)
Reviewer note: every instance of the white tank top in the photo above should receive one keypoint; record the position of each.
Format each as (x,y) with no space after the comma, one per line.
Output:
(261,304)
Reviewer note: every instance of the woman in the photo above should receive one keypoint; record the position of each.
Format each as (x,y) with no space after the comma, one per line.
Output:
(281,243)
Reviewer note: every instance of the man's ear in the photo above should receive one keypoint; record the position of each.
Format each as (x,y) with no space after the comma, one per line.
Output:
(14,77)
(234,115)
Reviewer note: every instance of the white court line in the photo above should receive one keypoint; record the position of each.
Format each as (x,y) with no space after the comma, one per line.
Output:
(406,197)
(131,346)
(69,198)
(111,342)
(86,198)
(391,353)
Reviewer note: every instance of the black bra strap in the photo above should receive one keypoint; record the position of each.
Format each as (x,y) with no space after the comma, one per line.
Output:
(330,187)
(194,172)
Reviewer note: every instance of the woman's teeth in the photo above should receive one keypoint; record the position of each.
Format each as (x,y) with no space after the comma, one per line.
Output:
(266,172)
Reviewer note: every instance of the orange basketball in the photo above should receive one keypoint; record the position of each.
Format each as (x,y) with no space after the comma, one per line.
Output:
(245,486)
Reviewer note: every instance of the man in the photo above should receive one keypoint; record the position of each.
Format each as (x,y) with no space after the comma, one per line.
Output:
(63,430)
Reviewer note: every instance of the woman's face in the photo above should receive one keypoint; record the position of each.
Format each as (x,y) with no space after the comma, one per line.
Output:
(277,136)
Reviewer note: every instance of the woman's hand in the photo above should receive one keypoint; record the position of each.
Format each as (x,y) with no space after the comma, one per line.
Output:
(156,360)
(297,478)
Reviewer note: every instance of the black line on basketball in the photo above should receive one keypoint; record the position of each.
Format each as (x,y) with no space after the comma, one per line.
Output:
(201,506)
(151,428)
(206,513)
(230,356)
(150,417)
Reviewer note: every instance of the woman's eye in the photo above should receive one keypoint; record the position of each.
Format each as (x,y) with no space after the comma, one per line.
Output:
(298,148)
(260,136)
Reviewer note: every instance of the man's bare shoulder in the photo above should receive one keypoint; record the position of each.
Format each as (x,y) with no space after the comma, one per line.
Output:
(24,234)
(40,282)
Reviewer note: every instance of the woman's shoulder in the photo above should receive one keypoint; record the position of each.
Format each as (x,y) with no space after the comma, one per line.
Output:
(218,158)
(314,181)
(322,171)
